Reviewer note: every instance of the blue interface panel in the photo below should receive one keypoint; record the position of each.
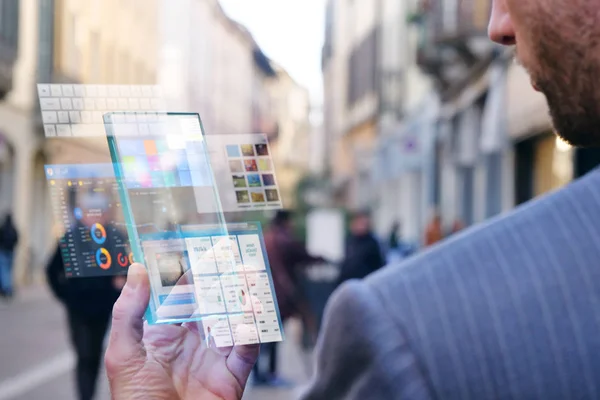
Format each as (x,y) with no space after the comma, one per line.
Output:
(86,208)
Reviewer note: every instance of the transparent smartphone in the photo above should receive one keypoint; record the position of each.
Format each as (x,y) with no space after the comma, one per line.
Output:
(162,168)
(200,267)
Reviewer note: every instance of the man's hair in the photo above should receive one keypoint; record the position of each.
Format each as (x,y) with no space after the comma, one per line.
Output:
(361,214)
(282,217)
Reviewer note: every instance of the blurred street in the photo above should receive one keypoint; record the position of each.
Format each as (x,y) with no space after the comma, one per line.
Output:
(38,362)
(299,144)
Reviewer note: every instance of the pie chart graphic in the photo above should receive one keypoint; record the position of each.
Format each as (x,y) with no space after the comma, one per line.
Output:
(130,258)
(123,260)
(98,233)
(103,258)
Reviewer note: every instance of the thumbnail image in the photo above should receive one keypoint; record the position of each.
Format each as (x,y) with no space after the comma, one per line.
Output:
(233,150)
(239,181)
(264,164)
(236,166)
(262,150)
(248,150)
(268,179)
(254,181)
(242,196)
(258,197)
(171,267)
(272,195)
(250,165)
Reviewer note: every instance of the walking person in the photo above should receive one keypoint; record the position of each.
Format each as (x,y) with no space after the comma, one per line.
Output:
(363,253)
(433,231)
(88,301)
(9,238)
(398,248)
(287,256)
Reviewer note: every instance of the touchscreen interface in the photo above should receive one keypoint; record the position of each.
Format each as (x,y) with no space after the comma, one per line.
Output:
(200,267)
(93,238)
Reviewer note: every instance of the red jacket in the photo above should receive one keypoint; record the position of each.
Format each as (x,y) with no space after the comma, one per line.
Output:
(286,255)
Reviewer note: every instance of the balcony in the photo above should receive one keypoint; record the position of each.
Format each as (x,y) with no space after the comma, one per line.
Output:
(450,21)
(452,33)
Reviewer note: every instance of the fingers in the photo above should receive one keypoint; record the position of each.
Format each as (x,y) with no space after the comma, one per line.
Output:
(125,344)
(241,360)
(186,279)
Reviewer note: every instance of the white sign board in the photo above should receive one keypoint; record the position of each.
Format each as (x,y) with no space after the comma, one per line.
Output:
(325,234)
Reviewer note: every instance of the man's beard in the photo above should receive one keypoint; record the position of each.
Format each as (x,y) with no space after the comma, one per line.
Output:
(567,74)
(575,116)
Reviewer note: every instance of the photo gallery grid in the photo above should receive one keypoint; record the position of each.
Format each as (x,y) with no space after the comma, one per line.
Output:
(252,173)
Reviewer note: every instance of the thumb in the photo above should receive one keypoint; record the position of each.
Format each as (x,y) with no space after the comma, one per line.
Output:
(125,343)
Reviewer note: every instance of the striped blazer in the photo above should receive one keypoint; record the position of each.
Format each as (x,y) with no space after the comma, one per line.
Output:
(509,309)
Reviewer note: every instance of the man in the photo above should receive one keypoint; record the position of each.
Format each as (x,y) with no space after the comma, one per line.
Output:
(433,232)
(507,310)
(8,241)
(286,256)
(363,252)
(88,301)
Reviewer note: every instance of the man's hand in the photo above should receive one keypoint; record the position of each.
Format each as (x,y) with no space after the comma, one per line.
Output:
(168,361)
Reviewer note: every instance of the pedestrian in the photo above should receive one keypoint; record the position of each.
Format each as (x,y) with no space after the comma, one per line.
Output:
(457,226)
(363,253)
(88,301)
(505,311)
(398,248)
(9,238)
(433,231)
(287,257)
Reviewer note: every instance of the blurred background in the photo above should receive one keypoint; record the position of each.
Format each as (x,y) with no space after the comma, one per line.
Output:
(400,109)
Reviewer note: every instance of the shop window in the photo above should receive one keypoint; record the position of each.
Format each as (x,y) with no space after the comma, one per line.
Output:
(553,164)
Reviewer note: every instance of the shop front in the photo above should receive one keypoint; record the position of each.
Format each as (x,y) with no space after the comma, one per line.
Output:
(585,160)
(543,163)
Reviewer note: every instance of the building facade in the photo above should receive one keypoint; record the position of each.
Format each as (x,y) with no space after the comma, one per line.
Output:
(59,41)
(290,146)
(372,82)
(220,78)
(24,25)
(232,84)
(491,146)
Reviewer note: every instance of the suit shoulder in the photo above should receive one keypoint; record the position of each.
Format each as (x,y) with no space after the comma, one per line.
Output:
(361,353)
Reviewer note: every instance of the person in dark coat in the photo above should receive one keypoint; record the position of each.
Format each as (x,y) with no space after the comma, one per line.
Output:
(287,255)
(9,238)
(88,301)
(363,252)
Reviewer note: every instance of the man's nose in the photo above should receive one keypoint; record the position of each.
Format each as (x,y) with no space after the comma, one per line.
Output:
(501,29)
